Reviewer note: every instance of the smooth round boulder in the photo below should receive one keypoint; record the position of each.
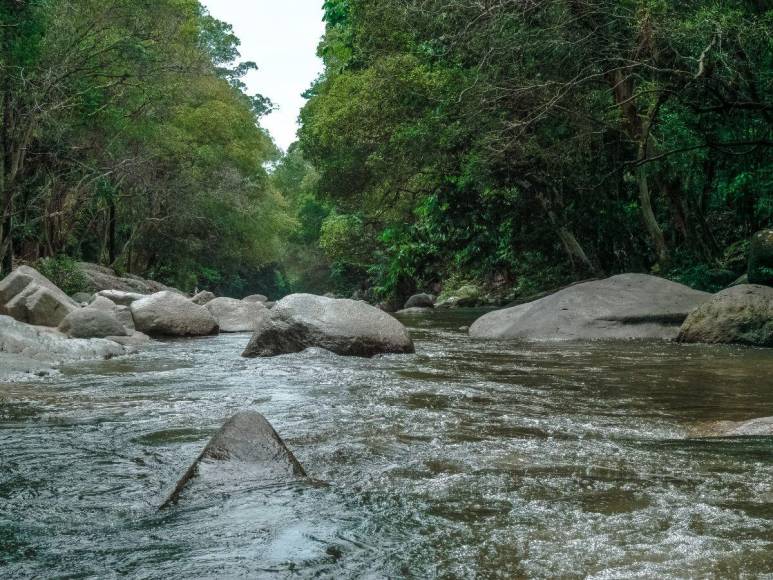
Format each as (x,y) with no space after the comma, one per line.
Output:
(246,449)
(761,258)
(170,314)
(626,306)
(345,327)
(420,301)
(92,323)
(741,315)
(236,315)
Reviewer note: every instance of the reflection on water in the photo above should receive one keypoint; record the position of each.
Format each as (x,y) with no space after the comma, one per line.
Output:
(468,458)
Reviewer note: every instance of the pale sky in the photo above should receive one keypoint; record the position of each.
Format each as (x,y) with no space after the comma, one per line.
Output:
(281,37)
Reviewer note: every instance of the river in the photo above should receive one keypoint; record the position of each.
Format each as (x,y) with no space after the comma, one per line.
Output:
(467,459)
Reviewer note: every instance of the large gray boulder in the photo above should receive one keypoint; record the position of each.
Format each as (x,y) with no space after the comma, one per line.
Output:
(40,306)
(762,426)
(236,315)
(92,323)
(246,449)
(741,314)
(419,301)
(170,314)
(621,307)
(28,296)
(23,346)
(345,327)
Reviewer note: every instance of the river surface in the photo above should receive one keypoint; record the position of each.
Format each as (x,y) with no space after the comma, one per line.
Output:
(466,460)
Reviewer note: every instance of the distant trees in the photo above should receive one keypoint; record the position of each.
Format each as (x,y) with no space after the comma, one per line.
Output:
(489,138)
(128,139)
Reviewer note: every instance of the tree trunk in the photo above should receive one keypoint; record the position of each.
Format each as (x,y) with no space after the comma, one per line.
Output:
(639,132)
(568,239)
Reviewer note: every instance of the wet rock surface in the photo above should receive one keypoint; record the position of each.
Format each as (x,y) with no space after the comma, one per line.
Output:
(245,449)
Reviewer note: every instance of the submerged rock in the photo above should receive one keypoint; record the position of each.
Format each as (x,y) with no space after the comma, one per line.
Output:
(420,301)
(342,326)
(761,258)
(762,426)
(236,315)
(741,314)
(621,307)
(246,449)
(170,314)
(414,311)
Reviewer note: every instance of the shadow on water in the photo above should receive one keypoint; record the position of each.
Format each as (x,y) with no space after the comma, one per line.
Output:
(466,459)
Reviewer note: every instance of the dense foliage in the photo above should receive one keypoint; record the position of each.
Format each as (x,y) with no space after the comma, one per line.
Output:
(128,139)
(525,143)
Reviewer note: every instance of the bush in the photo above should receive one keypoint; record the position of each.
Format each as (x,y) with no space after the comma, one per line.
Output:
(65,273)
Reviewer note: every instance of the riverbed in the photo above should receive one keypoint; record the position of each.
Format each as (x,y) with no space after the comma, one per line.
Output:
(467,459)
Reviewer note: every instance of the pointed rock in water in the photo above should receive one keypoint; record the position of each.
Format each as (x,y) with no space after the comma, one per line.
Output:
(246,449)
(621,307)
(345,327)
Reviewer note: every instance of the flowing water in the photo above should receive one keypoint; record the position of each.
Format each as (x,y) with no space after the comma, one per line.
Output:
(468,459)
